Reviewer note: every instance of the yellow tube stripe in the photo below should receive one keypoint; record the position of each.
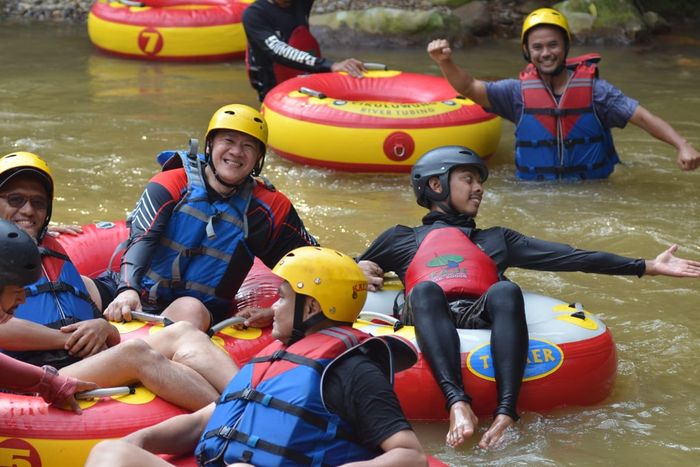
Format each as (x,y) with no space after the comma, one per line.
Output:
(177,42)
(365,146)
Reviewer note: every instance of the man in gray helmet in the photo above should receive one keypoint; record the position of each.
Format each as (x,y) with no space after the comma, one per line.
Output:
(448,181)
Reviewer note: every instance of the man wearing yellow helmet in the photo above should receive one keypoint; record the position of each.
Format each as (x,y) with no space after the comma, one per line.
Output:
(321,394)
(562,111)
(200,223)
(61,321)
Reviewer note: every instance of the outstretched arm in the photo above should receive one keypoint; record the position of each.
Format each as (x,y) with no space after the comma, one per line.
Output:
(668,264)
(688,157)
(462,81)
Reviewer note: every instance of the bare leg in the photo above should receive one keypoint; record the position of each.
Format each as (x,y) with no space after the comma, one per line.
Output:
(494,434)
(463,423)
(134,361)
(116,453)
(181,342)
(189,309)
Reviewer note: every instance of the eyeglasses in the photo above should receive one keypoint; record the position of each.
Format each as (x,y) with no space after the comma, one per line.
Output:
(18,201)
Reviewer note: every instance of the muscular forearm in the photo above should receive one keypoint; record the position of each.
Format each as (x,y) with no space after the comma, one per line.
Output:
(657,127)
(21,335)
(464,83)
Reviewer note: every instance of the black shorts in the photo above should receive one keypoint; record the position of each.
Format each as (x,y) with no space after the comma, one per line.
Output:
(467,313)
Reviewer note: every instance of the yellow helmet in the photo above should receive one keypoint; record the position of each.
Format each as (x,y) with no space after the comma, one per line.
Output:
(329,276)
(241,118)
(544,16)
(21,162)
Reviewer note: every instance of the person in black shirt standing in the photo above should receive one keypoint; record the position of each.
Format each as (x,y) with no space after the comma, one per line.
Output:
(453,273)
(280,45)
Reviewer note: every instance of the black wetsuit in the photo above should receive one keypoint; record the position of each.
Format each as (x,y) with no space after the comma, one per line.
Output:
(268,28)
(501,308)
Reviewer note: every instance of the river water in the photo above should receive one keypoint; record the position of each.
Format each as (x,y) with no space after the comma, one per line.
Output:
(100,121)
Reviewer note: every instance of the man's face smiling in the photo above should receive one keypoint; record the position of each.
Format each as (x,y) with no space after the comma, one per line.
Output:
(234,155)
(466,190)
(547,48)
(31,215)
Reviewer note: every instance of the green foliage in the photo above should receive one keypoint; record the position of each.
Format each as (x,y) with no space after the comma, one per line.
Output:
(672,8)
(607,13)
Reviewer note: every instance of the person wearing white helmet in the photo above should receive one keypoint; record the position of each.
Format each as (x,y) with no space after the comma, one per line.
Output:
(562,111)
(200,223)
(20,266)
(454,276)
(320,395)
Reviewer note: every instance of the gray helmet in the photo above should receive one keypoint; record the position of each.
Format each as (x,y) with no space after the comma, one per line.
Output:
(20,262)
(439,162)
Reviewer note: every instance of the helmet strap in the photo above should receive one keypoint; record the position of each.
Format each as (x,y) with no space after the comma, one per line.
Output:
(299,327)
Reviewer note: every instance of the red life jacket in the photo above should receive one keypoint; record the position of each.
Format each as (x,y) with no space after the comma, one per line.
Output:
(449,258)
(563,139)
(303,40)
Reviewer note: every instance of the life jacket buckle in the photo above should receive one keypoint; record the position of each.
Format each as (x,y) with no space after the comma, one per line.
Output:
(247,392)
(277,355)
(225,431)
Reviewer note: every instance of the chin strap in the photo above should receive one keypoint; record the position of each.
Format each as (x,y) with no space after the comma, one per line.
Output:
(300,327)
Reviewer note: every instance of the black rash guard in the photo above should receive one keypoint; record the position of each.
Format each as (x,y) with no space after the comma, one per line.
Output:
(501,308)
(394,250)
(359,392)
(274,229)
(268,28)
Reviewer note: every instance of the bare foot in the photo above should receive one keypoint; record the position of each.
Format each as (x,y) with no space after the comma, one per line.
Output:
(463,422)
(496,431)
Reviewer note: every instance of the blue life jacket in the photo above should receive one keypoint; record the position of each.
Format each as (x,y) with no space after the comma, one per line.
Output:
(272,413)
(199,242)
(59,297)
(562,139)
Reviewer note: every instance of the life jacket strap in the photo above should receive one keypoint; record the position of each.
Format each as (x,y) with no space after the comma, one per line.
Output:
(251,395)
(230,433)
(290,357)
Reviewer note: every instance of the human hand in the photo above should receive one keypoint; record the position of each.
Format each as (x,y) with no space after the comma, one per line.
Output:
(56,230)
(256,317)
(351,66)
(87,337)
(667,264)
(70,401)
(374,275)
(439,50)
(60,390)
(688,157)
(122,305)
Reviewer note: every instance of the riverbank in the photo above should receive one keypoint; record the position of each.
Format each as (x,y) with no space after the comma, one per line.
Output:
(398,23)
